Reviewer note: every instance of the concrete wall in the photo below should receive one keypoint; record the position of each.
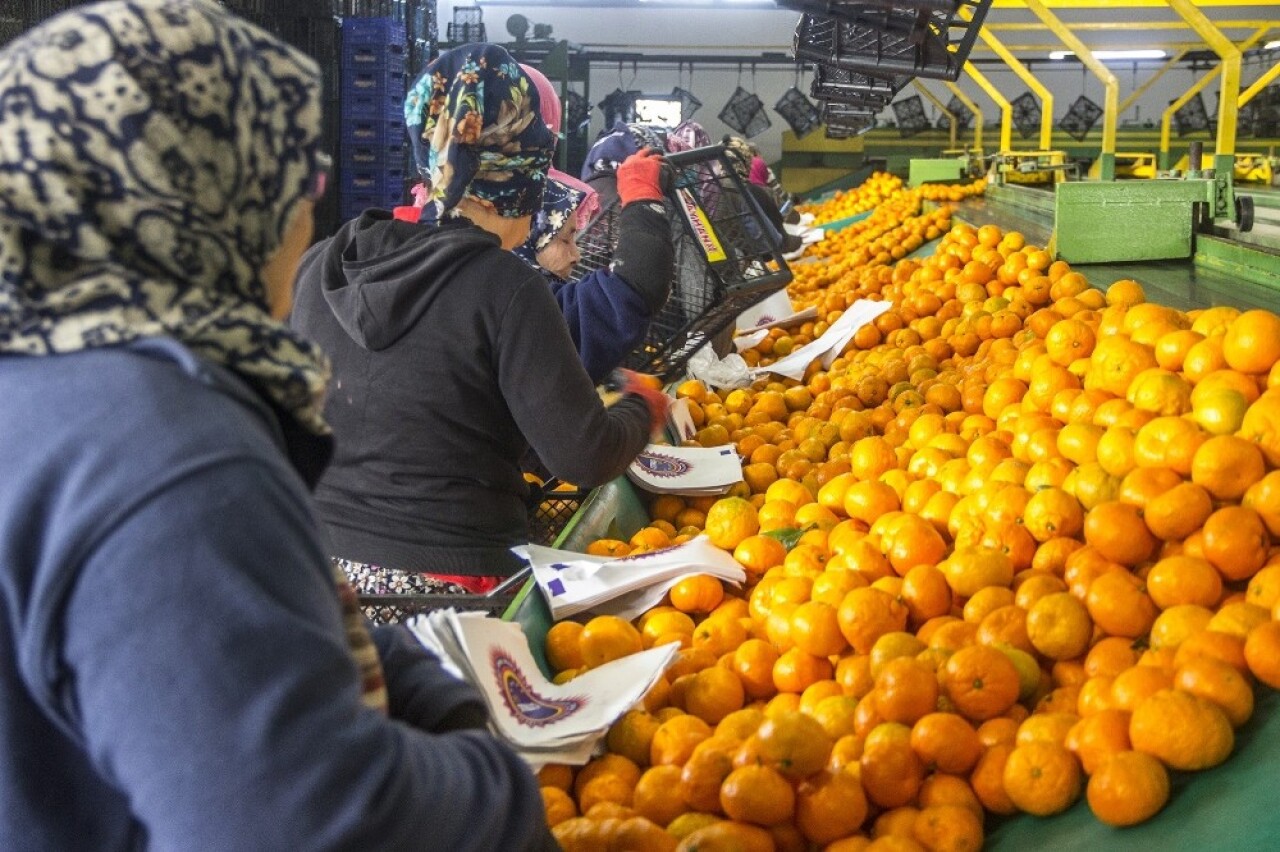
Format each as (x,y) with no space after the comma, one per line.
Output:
(703,31)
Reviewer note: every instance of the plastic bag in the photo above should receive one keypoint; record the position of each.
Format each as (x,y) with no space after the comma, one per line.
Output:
(728,372)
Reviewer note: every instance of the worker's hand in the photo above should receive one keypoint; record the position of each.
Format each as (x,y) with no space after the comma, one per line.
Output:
(644,176)
(647,388)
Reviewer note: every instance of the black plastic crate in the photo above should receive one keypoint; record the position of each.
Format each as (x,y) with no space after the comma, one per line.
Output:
(553,514)
(689,102)
(728,258)
(832,83)
(800,113)
(392,609)
(1080,118)
(963,115)
(1192,117)
(745,113)
(890,39)
(1026,114)
(910,116)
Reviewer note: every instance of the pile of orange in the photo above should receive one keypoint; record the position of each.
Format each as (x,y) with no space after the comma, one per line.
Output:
(842,204)
(953,192)
(1030,556)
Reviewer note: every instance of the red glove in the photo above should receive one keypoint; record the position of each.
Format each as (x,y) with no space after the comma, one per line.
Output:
(641,178)
(633,384)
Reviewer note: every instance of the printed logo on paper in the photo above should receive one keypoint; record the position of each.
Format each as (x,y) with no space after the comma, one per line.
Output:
(662,465)
(701,227)
(525,704)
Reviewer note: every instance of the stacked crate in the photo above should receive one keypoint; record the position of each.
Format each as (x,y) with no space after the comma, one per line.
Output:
(371,159)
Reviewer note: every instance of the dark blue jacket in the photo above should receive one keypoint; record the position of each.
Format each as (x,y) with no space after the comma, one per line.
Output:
(172,659)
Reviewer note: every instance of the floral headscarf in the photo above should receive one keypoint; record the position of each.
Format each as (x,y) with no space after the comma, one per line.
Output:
(474,120)
(150,154)
(560,202)
(611,150)
(590,205)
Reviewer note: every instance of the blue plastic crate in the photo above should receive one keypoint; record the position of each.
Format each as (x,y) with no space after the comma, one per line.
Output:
(372,81)
(386,107)
(378,130)
(358,156)
(364,30)
(373,55)
(381,181)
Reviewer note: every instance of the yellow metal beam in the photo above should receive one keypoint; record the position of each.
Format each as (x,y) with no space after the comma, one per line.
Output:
(1111,86)
(1132,26)
(1229,91)
(1137,93)
(1024,73)
(932,98)
(1259,84)
(1006,109)
(978,119)
(1127,4)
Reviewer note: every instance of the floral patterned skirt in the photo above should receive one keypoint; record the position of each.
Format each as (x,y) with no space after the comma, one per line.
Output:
(368,580)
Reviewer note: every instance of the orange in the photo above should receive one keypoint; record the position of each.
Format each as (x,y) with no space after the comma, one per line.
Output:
(1262,653)
(1176,624)
(830,806)
(632,735)
(1264,498)
(815,629)
(791,491)
(795,671)
(866,614)
(1053,513)
(948,827)
(1129,787)
(606,638)
(988,779)
(1169,442)
(970,571)
(563,646)
(1236,542)
(726,834)
(1217,682)
(1115,362)
(757,794)
(558,805)
(753,663)
(1096,737)
(1184,580)
(1042,778)
(1214,645)
(906,689)
(1226,466)
(794,744)
(1119,604)
(946,742)
(1252,342)
(1184,731)
(913,541)
(704,772)
(675,740)
(890,770)
(699,593)
(714,693)
(657,796)
(1059,627)
(981,682)
(1178,512)
(731,520)
(1119,533)
(925,593)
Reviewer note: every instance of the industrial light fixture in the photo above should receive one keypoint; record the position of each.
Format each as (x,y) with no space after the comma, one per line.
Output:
(1113,54)
(1271,45)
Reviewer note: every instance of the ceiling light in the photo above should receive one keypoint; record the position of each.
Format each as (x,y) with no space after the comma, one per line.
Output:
(1112,54)
(1271,45)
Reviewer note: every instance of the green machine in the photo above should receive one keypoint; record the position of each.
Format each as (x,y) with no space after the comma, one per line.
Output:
(949,170)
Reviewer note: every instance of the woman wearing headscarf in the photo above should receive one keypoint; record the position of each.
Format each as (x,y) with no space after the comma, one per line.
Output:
(741,156)
(610,151)
(608,310)
(175,667)
(449,353)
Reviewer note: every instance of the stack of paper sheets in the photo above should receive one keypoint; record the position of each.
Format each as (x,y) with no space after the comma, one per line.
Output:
(692,471)
(828,346)
(543,722)
(626,586)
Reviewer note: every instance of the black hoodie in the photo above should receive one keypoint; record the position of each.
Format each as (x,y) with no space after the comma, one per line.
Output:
(450,358)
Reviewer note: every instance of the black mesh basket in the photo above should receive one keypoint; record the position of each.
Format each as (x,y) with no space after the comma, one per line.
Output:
(1193,117)
(910,115)
(577,111)
(1026,114)
(1080,118)
(728,258)
(798,111)
(925,39)
(841,85)
(745,113)
(847,128)
(552,515)
(689,103)
(395,608)
(964,115)
(617,106)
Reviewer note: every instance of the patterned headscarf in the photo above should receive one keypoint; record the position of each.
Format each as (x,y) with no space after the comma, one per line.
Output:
(611,150)
(475,123)
(759,171)
(739,156)
(151,152)
(686,136)
(590,205)
(560,202)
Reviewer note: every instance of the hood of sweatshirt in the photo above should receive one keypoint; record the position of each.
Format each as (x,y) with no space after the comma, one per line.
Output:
(380,274)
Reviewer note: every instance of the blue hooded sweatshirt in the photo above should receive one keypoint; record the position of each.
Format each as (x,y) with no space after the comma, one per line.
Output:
(174,667)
